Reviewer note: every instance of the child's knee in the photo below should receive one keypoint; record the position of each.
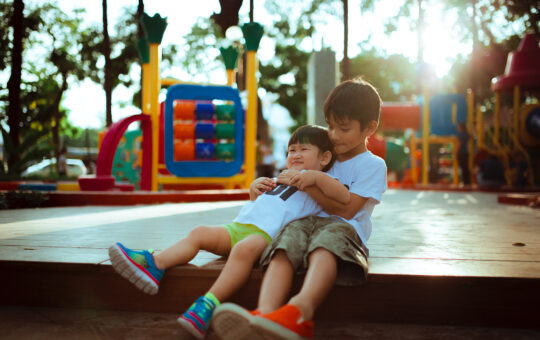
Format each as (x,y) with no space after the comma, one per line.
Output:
(199,233)
(249,248)
(321,253)
(281,257)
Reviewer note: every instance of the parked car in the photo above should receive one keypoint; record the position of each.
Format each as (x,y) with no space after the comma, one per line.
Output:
(75,168)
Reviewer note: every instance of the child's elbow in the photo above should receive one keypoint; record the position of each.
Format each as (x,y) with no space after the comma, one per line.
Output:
(345,199)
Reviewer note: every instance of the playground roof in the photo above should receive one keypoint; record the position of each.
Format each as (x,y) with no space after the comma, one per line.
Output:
(522,67)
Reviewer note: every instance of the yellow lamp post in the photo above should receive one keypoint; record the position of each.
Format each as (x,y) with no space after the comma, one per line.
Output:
(425,136)
(144,52)
(230,57)
(154,28)
(252,34)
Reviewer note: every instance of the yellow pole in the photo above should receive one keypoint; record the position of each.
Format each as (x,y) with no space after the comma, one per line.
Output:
(155,86)
(251,116)
(470,130)
(425,137)
(496,119)
(413,158)
(516,108)
(455,144)
(145,103)
(230,77)
(480,125)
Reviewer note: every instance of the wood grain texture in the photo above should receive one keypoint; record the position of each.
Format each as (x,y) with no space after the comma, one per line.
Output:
(436,257)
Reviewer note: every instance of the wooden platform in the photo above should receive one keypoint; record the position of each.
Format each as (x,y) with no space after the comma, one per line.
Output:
(456,258)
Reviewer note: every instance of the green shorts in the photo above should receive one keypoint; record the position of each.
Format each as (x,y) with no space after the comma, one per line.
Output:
(239,231)
(299,238)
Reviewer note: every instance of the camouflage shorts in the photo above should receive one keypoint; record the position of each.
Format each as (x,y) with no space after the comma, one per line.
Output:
(299,238)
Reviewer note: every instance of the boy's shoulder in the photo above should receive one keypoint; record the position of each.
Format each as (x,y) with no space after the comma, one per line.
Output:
(366,159)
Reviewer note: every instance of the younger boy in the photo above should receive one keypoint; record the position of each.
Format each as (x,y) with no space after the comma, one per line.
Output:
(319,244)
(252,230)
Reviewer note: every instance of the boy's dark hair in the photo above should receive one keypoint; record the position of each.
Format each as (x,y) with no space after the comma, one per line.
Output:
(314,135)
(353,99)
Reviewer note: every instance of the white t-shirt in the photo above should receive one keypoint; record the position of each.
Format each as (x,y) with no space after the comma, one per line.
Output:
(364,175)
(274,209)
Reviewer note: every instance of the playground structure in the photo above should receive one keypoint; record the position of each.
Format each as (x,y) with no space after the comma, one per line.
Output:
(437,123)
(201,140)
(200,135)
(518,131)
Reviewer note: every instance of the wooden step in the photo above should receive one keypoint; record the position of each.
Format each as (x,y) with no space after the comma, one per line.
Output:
(425,299)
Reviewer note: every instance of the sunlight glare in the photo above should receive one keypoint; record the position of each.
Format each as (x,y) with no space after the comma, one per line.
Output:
(441,46)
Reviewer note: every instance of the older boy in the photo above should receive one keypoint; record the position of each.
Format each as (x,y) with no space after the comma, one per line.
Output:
(319,244)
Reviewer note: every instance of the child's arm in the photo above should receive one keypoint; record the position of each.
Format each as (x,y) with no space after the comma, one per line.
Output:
(333,207)
(330,187)
(260,186)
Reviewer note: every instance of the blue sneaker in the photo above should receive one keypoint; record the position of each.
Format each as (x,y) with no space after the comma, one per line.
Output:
(136,266)
(196,319)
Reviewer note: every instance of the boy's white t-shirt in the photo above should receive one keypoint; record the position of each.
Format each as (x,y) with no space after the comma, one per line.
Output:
(364,175)
(274,209)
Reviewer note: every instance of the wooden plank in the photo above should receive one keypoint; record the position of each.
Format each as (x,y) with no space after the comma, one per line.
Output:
(79,198)
(75,255)
(447,268)
(426,299)
(409,225)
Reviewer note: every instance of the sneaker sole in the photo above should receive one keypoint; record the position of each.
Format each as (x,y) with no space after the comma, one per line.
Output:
(266,329)
(231,322)
(188,326)
(123,265)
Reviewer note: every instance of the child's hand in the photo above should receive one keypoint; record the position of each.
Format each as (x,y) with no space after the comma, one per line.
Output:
(304,179)
(286,175)
(260,186)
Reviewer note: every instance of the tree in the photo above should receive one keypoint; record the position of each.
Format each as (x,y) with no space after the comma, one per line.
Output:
(47,71)
(122,49)
(14,83)
(108,74)
(229,14)
(516,10)
(345,62)
(393,75)
(19,27)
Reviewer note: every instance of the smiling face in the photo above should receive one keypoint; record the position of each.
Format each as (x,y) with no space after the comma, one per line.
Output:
(307,157)
(348,137)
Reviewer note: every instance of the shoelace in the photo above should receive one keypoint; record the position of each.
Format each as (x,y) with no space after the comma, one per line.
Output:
(203,308)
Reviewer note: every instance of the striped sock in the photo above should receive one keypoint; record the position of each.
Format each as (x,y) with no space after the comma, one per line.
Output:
(212,298)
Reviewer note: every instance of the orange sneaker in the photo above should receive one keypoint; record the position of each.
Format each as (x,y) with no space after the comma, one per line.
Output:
(231,322)
(283,324)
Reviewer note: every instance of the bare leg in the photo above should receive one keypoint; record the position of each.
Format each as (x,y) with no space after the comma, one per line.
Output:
(276,284)
(213,239)
(238,267)
(319,280)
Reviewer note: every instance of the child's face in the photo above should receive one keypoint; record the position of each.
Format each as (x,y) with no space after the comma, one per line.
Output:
(307,157)
(348,137)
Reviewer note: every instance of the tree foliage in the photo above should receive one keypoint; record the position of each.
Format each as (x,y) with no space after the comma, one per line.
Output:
(51,58)
(393,76)
(123,45)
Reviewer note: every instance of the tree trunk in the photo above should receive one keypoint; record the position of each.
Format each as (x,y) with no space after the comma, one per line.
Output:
(420,51)
(14,83)
(140,12)
(474,53)
(345,63)
(108,74)
(140,34)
